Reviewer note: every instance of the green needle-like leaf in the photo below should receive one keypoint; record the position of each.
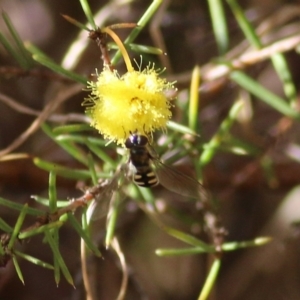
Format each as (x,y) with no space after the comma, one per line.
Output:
(18,270)
(33,260)
(61,170)
(52,192)
(58,69)
(194,99)
(5,227)
(264,94)
(187,238)
(19,207)
(211,147)
(17,227)
(27,234)
(58,258)
(112,218)
(140,25)
(218,20)
(83,235)
(10,49)
(24,59)
(210,280)
(88,13)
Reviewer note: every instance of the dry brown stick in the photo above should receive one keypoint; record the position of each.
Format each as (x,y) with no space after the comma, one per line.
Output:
(63,95)
(58,118)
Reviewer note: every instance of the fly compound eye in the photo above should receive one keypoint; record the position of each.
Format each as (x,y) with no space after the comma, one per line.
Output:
(129,143)
(141,140)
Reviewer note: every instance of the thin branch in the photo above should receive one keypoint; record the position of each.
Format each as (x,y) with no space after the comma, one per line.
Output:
(212,72)
(116,246)
(62,96)
(87,274)
(89,195)
(6,71)
(57,118)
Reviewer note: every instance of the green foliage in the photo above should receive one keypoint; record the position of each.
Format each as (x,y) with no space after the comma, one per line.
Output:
(108,186)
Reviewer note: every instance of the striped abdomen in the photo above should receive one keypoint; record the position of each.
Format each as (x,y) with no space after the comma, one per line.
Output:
(144,175)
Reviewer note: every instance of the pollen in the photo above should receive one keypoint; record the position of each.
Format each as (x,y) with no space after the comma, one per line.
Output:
(133,103)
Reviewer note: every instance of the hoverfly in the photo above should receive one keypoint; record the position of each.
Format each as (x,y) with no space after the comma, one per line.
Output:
(140,159)
(143,156)
(146,170)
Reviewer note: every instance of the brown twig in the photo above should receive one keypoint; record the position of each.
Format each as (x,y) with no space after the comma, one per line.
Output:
(57,118)
(9,71)
(89,195)
(63,95)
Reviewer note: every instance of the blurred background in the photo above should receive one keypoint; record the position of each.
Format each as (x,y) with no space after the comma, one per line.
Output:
(252,201)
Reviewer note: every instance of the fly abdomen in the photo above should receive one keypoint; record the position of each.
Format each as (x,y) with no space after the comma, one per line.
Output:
(146,178)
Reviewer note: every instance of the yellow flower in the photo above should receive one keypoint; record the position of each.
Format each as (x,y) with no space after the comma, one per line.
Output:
(132,103)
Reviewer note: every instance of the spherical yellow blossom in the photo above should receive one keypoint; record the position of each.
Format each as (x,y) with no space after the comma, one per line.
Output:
(132,103)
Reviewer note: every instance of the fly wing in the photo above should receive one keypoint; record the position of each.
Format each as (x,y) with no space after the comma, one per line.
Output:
(178,182)
(100,205)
